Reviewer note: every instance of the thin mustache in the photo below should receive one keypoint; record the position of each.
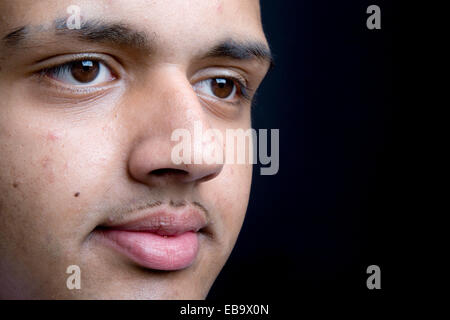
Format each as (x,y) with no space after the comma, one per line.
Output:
(153,204)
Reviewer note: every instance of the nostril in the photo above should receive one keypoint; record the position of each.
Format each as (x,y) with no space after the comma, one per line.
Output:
(169,172)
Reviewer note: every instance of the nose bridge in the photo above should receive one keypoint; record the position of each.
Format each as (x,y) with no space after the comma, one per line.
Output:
(173,101)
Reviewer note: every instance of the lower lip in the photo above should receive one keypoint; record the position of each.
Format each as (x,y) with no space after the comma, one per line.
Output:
(153,251)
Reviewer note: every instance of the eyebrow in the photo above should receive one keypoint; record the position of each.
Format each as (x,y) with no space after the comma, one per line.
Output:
(241,51)
(15,37)
(120,34)
(115,33)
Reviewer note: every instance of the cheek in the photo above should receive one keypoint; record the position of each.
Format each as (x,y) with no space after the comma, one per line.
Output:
(49,175)
(230,191)
(37,163)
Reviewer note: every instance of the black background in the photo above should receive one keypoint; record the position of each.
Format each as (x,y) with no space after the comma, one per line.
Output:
(316,226)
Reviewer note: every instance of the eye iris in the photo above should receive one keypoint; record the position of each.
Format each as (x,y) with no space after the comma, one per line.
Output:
(85,71)
(222,88)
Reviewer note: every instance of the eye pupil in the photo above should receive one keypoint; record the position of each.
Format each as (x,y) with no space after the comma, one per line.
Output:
(222,88)
(85,71)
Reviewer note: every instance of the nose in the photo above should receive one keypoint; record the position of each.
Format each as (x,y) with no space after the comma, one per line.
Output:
(151,164)
(169,105)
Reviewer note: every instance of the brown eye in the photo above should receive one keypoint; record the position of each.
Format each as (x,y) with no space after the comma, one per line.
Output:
(222,88)
(230,90)
(82,72)
(85,71)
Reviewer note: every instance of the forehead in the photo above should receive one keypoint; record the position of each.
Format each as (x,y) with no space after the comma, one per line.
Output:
(187,21)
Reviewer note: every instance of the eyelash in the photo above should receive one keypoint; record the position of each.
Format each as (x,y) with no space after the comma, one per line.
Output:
(242,88)
(63,68)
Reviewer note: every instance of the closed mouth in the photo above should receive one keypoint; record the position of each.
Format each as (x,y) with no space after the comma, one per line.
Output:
(160,238)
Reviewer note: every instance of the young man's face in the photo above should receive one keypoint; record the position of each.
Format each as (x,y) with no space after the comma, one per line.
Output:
(86,119)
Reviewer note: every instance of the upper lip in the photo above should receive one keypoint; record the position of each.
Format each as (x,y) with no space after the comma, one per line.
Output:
(164,221)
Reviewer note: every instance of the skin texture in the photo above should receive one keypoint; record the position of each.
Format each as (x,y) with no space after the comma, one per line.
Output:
(71,160)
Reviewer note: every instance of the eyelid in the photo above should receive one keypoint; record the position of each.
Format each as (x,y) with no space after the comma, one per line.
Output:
(58,72)
(63,90)
(220,72)
(61,60)
(227,73)
(240,91)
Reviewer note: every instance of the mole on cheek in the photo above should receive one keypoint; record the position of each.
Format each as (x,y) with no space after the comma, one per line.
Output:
(15,185)
(76,195)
